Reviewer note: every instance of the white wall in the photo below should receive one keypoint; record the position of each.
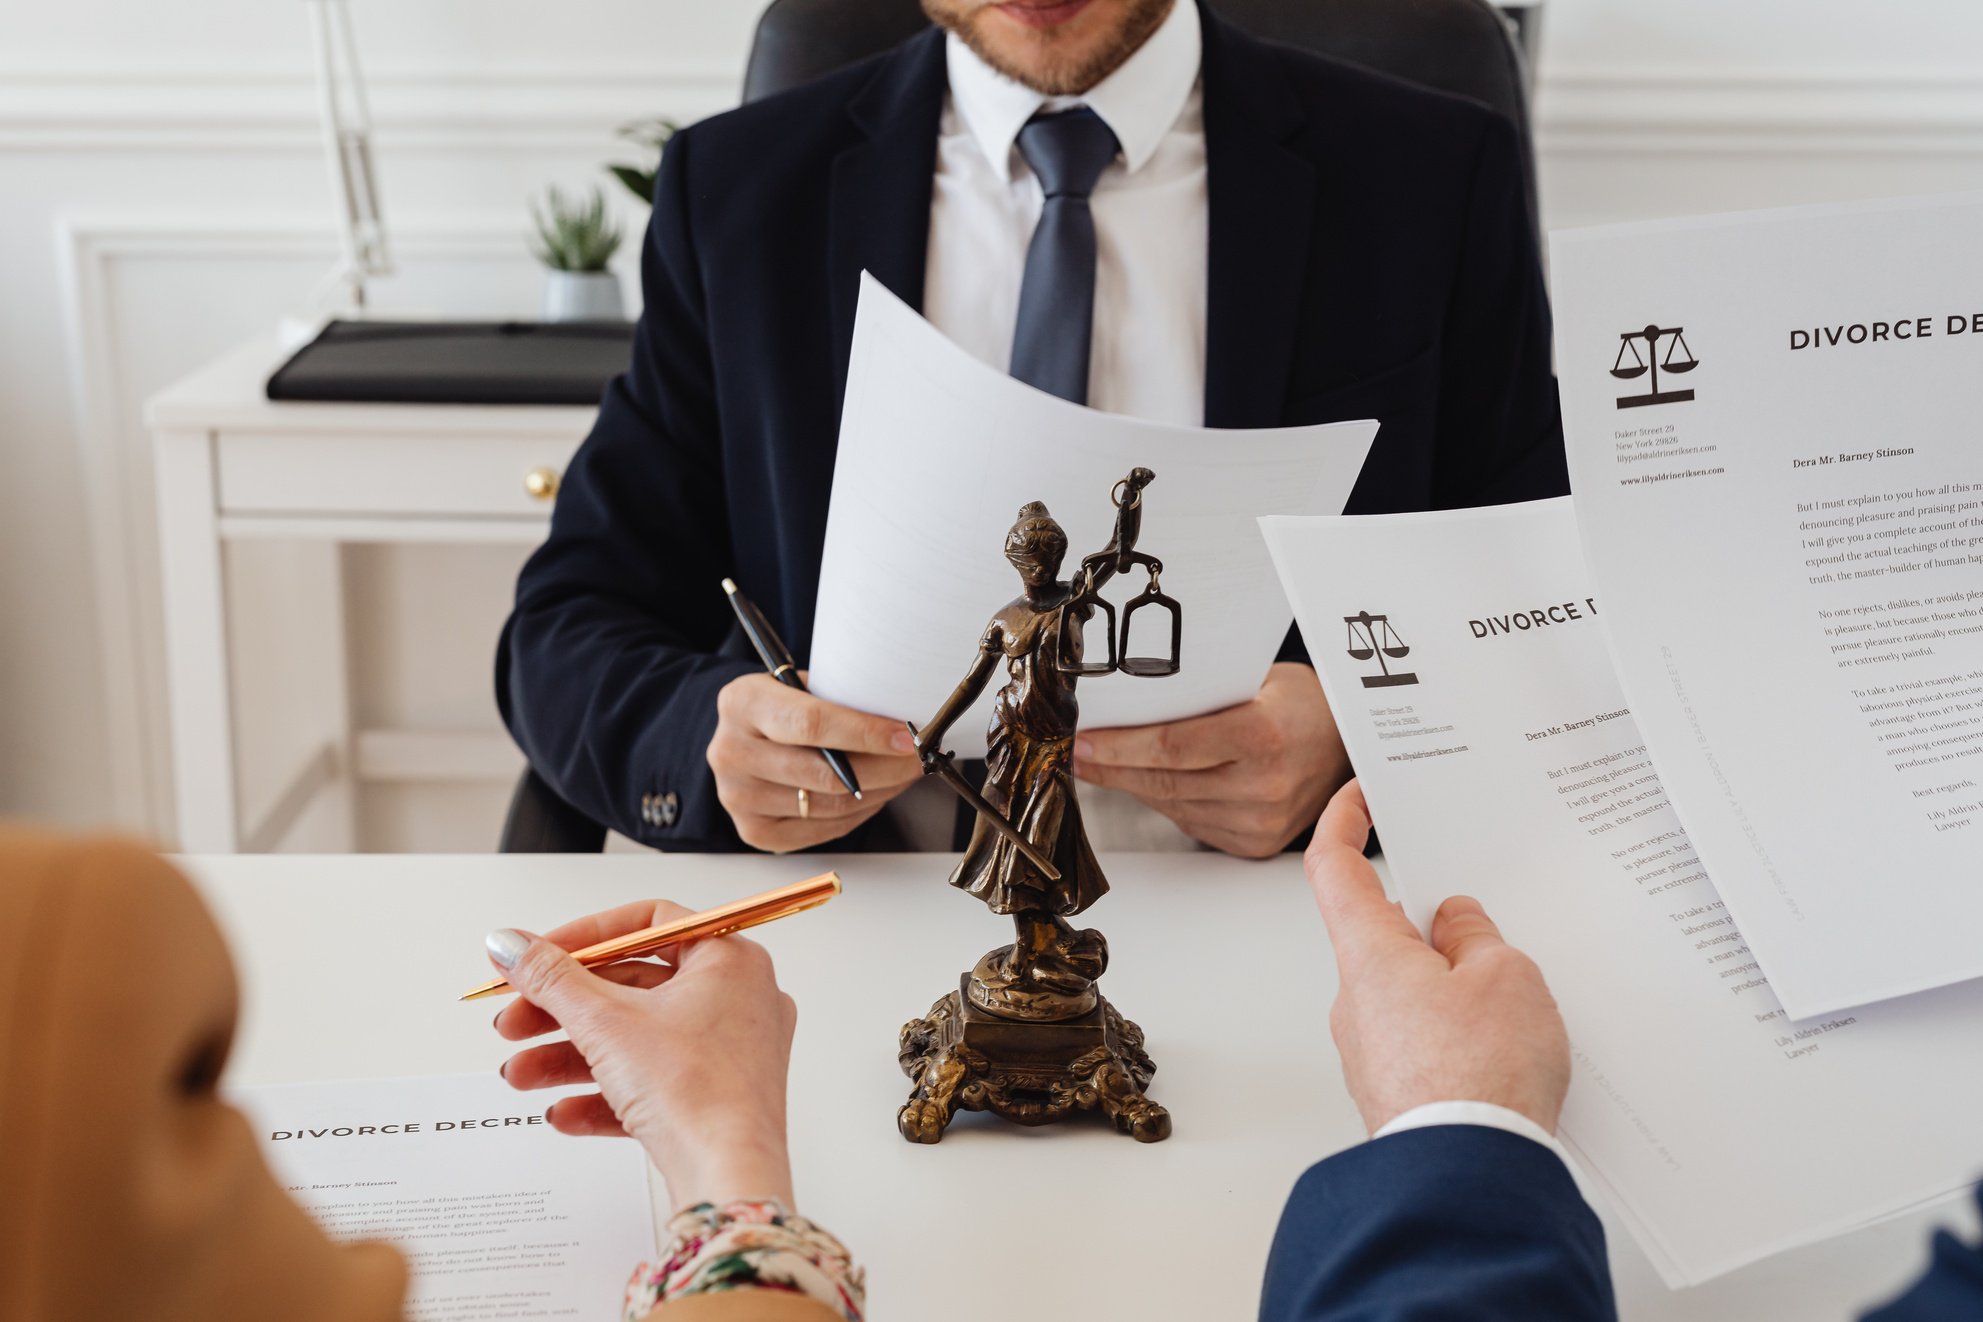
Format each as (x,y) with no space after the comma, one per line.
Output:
(1696,105)
(162,197)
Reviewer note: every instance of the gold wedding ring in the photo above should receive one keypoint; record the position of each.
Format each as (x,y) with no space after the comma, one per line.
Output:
(805,804)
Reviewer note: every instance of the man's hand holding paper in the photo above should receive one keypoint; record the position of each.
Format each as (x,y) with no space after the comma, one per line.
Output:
(1511,763)
(1247,779)
(769,774)
(1457,1014)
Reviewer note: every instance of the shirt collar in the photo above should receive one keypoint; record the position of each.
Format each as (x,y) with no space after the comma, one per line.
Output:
(1139,101)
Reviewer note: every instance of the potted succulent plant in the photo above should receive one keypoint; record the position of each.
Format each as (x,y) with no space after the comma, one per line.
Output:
(575,241)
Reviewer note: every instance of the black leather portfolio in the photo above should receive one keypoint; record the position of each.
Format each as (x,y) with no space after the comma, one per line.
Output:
(457,362)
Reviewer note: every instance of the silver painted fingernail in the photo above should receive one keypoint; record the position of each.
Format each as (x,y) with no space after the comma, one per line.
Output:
(506,945)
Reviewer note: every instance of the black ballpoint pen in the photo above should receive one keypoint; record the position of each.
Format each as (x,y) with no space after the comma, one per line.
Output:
(777,659)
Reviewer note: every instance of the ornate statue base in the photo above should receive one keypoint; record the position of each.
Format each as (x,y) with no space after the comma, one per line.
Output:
(1031,1071)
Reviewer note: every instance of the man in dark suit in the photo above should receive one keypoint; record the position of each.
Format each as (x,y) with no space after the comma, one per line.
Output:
(1460,1207)
(1126,202)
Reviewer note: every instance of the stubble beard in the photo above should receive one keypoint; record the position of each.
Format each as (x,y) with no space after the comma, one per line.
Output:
(1057,73)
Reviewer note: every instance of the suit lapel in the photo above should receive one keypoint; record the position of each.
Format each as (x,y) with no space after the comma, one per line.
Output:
(879,213)
(1261,212)
(1261,215)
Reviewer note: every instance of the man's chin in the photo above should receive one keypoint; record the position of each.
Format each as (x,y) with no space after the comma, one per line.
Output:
(1052,61)
(1055,47)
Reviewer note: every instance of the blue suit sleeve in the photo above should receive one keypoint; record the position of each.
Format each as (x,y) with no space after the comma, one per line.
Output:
(1952,1287)
(609,667)
(1446,1222)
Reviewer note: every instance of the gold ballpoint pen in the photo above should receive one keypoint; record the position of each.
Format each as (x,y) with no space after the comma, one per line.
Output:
(720,921)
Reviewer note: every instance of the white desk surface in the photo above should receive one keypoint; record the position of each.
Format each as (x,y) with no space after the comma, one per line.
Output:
(351,965)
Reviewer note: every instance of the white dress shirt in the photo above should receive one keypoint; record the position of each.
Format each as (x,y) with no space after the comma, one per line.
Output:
(1147,354)
(1148,349)
(1485,1114)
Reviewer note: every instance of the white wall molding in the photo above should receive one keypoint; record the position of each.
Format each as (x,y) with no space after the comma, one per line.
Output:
(435,756)
(1628,109)
(139,788)
(1583,108)
(135,107)
(116,466)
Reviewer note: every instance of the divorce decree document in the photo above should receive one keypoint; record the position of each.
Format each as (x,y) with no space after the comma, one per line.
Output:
(1463,658)
(499,1215)
(1775,432)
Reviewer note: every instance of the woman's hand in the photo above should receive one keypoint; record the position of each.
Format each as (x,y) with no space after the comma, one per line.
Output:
(690,1055)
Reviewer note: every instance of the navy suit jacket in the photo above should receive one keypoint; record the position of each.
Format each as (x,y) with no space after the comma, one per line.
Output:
(1370,254)
(1446,1222)
(1464,1222)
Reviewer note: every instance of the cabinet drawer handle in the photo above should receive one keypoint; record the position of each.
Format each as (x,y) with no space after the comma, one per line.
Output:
(541,483)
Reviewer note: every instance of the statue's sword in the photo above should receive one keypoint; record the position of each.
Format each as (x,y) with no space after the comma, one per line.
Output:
(944,769)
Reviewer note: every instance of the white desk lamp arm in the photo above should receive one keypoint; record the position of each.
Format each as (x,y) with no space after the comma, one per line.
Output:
(347,128)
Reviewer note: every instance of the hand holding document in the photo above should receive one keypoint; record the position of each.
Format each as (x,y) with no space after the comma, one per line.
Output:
(937,453)
(498,1214)
(1773,434)
(1464,659)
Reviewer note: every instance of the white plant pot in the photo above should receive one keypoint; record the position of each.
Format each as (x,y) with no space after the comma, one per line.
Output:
(582,296)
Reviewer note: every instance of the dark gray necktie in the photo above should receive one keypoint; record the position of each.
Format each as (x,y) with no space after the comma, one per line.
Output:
(1068,151)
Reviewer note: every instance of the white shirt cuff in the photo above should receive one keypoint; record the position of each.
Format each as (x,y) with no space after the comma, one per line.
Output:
(1485,1114)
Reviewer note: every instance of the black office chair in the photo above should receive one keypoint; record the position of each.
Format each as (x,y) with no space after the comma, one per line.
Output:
(539,822)
(1463,46)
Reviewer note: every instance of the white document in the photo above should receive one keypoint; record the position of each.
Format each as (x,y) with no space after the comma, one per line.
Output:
(1789,536)
(499,1214)
(1500,760)
(937,453)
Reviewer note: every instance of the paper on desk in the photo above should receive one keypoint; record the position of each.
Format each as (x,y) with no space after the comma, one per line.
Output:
(1783,502)
(499,1214)
(937,453)
(1508,767)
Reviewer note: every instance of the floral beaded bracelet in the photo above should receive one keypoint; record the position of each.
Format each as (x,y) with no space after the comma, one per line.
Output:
(748,1245)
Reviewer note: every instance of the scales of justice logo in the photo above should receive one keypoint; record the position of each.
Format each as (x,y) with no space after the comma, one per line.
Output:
(1679,359)
(1373,636)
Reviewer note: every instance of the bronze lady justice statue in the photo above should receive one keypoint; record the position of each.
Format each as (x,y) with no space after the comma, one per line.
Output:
(1027,1035)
